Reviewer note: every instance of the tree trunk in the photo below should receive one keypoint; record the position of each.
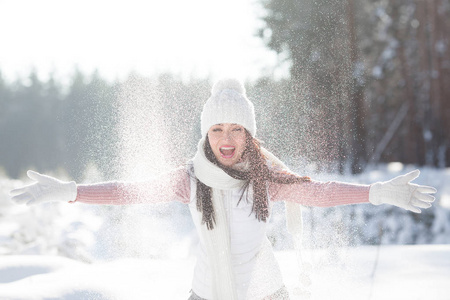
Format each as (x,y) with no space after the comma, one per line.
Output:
(356,98)
(411,153)
(441,66)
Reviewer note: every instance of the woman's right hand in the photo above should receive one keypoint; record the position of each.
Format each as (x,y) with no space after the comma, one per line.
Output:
(44,189)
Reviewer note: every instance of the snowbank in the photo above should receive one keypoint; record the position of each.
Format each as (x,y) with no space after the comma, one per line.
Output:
(395,272)
(47,277)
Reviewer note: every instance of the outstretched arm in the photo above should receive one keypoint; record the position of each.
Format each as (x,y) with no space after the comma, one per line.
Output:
(320,194)
(398,191)
(170,186)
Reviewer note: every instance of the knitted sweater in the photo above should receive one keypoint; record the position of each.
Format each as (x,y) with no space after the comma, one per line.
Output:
(175,186)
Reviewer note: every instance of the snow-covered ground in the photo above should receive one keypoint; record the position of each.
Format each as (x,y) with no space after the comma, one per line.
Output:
(401,272)
(61,251)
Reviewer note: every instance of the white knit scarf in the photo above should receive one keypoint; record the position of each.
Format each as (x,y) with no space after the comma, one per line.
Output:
(217,240)
(294,222)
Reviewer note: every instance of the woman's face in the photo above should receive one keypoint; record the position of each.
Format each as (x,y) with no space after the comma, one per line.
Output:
(227,142)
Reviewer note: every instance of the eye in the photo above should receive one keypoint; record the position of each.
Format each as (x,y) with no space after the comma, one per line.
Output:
(237,129)
(217,129)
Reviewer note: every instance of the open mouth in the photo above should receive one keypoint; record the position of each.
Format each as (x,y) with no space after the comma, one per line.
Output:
(227,151)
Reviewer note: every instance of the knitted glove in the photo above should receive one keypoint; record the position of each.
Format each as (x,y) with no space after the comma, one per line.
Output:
(45,189)
(402,193)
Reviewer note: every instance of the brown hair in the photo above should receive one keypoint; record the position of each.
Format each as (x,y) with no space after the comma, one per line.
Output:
(258,174)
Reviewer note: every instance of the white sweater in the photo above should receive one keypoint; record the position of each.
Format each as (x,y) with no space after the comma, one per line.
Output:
(255,269)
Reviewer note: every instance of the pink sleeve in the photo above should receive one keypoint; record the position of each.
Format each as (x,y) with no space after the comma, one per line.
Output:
(321,194)
(171,186)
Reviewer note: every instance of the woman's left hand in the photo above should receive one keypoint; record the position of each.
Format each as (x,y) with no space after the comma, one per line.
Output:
(400,192)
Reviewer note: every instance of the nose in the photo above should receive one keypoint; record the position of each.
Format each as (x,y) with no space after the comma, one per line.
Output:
(228,135)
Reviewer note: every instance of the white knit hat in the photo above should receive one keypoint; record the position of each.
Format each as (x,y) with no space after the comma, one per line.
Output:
(228,104)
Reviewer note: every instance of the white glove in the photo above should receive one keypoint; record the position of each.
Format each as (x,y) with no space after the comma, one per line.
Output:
(400,192)
(46,189)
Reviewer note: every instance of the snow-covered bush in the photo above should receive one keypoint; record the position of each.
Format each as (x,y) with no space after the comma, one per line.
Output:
(52,228)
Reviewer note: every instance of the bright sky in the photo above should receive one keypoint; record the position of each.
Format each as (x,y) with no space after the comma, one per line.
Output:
(196,38)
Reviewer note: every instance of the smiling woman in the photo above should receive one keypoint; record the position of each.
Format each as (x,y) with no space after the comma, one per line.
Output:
(230,186)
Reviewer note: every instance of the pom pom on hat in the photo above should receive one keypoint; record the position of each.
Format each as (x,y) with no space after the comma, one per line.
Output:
(228,84)
(228,104)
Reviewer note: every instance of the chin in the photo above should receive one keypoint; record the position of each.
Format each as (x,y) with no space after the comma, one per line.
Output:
(227,163)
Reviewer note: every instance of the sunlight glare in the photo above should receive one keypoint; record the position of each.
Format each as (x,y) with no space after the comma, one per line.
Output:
(188,38)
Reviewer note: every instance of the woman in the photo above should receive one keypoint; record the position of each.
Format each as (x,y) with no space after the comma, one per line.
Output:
(229,186)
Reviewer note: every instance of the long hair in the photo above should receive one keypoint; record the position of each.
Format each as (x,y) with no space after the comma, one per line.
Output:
(257,174)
